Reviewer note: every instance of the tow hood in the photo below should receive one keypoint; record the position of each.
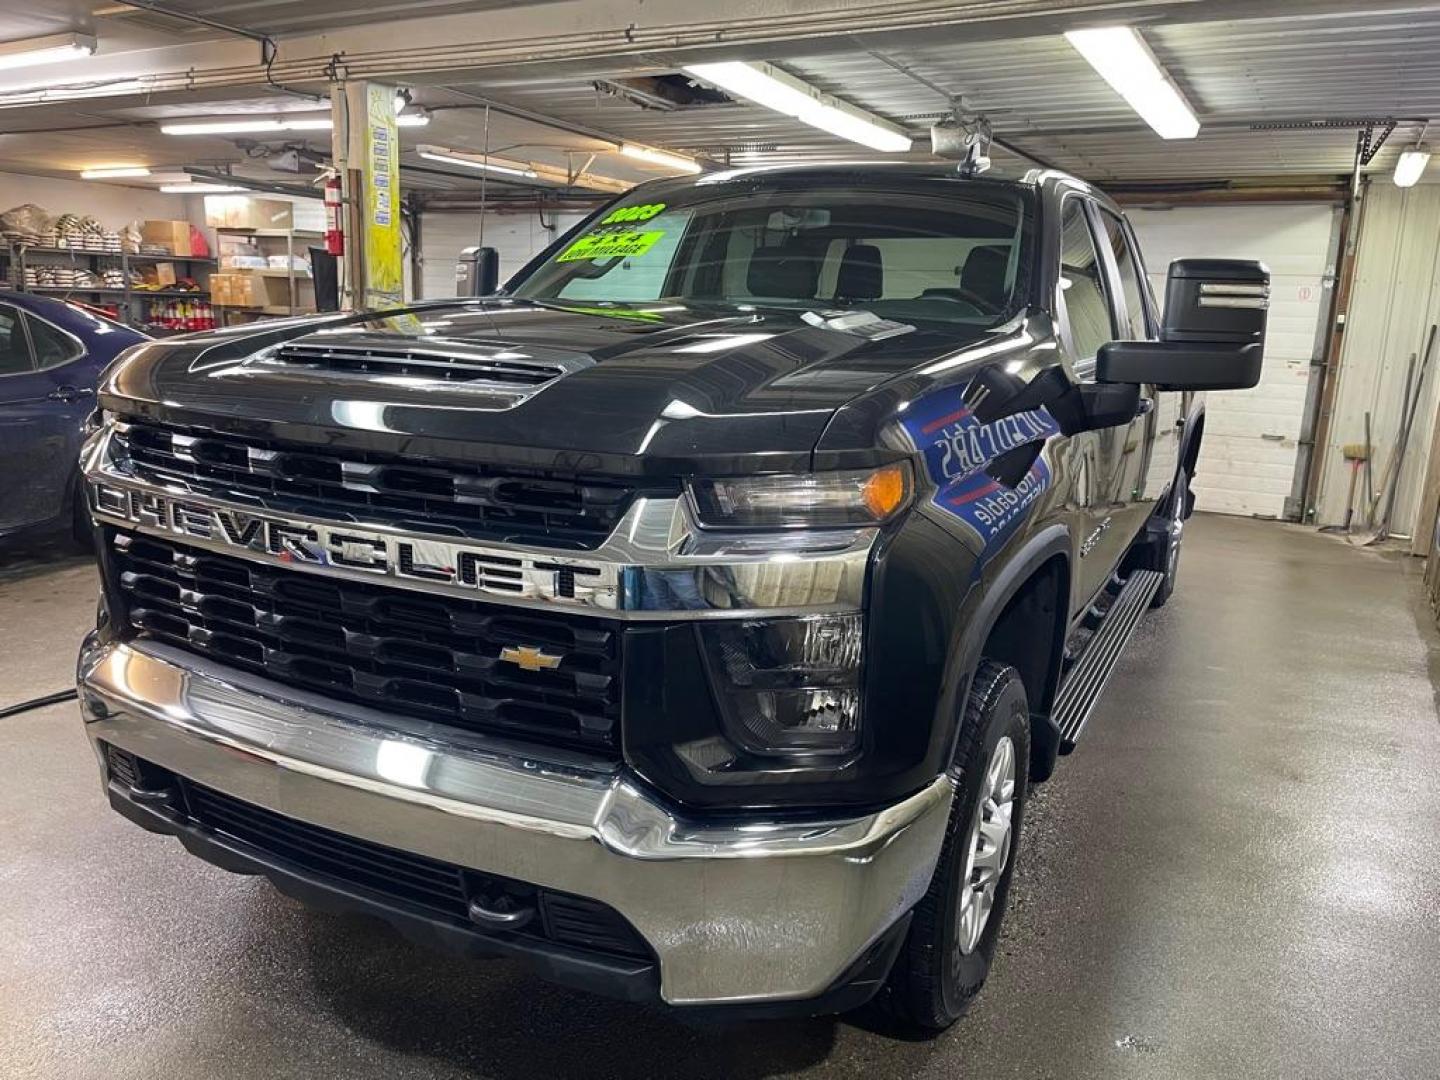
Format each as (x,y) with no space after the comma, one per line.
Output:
(643,388)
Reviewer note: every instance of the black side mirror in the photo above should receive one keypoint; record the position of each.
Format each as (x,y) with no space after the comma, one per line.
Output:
(994,394)
(1214,332)
(478,272)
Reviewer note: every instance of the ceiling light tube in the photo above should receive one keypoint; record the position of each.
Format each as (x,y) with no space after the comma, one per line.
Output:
(664,158)
(222,127)
(200,189)
(260,125)
(114,172)
(1124,61)
(767,85)
(45,50)
(502,166)
(1411,166)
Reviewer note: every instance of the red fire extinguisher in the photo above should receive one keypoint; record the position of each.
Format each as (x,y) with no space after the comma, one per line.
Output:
(334,234)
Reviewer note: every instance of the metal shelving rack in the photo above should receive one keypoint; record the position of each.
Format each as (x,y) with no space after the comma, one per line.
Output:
(130,297)
(292,276)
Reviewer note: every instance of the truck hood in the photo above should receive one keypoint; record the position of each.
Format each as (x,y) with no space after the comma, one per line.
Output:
(639,388)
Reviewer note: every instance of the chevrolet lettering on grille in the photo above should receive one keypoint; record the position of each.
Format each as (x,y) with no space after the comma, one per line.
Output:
(347,548)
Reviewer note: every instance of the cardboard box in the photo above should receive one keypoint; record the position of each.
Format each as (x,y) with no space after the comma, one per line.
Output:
(165,275)
(173,236)
(247,212)
(237,290)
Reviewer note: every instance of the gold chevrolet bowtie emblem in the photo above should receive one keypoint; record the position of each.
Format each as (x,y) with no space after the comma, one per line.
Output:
(530,658)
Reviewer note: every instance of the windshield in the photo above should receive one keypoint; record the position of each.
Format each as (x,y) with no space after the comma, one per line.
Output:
(954,258)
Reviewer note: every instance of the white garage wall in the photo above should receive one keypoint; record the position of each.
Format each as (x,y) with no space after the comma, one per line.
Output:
(516,237)
(112,205)
(1247,460)
(1394,302)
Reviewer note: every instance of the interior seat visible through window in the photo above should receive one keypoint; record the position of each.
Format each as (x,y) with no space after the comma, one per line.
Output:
(862,274)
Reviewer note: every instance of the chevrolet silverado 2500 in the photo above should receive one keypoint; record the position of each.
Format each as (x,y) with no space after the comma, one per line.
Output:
(688,620)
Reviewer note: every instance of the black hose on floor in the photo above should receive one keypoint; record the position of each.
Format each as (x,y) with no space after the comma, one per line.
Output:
(38,703)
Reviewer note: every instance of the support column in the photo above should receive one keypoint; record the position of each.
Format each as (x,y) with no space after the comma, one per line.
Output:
(365,147)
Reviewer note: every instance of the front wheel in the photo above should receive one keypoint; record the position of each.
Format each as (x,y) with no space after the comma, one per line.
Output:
(951,941)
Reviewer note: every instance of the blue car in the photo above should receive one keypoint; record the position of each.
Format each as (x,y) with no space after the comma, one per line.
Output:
(51,356)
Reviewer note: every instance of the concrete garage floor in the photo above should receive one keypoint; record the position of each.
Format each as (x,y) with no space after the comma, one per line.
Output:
(1236,874)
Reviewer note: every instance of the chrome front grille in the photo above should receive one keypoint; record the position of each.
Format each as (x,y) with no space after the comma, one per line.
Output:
(548,508)
(431,657)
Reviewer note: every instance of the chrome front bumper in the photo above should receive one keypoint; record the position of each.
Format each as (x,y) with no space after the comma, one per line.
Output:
(749,911)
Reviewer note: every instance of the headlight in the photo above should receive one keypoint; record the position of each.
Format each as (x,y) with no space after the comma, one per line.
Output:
(817,500)
(788,685)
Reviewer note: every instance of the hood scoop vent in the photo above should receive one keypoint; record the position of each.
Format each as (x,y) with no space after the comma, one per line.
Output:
(483,369)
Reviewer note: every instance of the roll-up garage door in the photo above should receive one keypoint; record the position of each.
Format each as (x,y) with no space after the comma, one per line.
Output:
(1247,461)
(516,237)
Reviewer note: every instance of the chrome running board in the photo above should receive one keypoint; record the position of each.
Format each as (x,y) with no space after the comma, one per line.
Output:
(1088,676)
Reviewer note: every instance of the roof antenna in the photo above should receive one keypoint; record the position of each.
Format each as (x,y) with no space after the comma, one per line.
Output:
(965,136)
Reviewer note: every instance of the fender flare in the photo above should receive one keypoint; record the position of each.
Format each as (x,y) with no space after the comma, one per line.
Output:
(1048,542)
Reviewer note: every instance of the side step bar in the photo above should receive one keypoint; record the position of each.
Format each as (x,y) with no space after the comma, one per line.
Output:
(1087,679)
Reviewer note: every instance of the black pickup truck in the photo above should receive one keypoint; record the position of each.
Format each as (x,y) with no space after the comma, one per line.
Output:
(689,619)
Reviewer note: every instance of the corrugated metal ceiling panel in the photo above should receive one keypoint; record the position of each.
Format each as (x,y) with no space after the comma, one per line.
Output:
(1041,95)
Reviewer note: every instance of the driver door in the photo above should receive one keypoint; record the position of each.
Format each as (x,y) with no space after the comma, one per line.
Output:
(1090,317)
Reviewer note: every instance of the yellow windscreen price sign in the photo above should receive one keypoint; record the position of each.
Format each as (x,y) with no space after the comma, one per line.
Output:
(611,245)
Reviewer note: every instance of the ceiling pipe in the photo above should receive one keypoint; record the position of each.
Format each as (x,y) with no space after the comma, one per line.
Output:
(1222,195)
(268,49)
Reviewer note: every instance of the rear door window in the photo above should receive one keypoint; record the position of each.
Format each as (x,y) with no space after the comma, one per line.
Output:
(1083,289)
(1132,277)
(14,347)
(53,346)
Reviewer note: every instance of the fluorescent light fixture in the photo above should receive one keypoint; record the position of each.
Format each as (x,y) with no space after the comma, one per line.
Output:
(502,166)
(200,189)
(222,127)
(45,50)
(767,85)
(679,162)
(1124,61)
(260,125)
(114,172)
(1411,166)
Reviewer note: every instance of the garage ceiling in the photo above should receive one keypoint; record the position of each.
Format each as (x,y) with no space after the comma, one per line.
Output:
(1238,63)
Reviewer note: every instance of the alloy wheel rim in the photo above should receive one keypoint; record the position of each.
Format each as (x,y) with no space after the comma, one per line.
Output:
(988,847)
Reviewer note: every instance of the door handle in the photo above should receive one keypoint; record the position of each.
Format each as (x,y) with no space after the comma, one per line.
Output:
(70,393)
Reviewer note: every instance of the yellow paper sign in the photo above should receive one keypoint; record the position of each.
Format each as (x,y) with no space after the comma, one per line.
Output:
(382,248)
(611,245)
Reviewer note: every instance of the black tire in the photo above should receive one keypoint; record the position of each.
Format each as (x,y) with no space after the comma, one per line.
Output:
(933,981)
